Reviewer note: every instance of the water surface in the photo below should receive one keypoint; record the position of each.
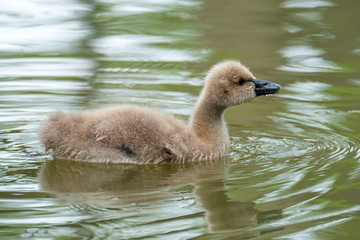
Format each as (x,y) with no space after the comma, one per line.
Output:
(294,169)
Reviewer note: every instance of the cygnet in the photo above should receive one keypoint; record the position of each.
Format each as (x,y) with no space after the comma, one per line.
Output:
(140,135)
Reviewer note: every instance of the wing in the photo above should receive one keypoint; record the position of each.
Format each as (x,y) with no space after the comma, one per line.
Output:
(144,135)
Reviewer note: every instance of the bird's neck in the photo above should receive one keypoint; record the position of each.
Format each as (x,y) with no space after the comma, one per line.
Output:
(207,120)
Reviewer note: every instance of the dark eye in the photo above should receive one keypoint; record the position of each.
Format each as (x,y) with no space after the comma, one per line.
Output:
(241,81)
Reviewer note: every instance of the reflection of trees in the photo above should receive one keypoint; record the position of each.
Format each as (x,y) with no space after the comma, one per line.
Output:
(248,30)
(322,36)
(344,45)
(117,184)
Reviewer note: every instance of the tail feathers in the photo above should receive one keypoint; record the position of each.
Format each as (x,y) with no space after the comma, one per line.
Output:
(54,130)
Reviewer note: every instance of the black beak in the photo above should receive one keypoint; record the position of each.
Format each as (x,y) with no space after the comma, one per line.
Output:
(263,87)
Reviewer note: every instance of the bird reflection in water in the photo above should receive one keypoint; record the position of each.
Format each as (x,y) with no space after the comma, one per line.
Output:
(114,185)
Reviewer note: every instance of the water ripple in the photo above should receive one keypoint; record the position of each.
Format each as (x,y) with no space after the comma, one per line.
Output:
(293,172)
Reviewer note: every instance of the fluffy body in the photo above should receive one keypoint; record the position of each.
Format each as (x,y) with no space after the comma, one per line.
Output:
(133,134)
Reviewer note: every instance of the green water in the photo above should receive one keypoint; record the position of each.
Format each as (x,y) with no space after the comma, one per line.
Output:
(294,169)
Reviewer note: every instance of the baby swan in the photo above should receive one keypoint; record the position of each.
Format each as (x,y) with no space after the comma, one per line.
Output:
(133,134)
